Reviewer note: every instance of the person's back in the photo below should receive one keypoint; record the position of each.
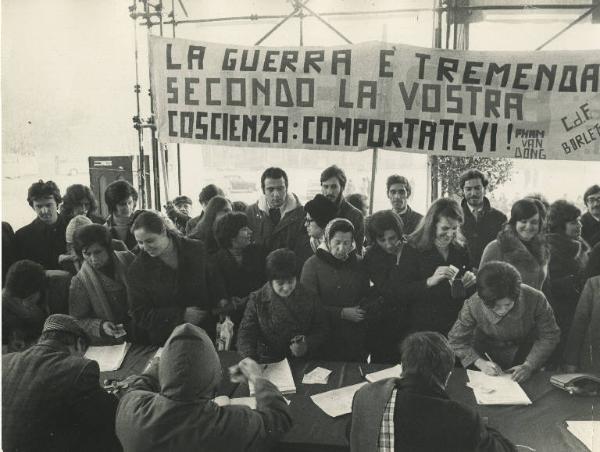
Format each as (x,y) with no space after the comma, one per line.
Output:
(52,401)
(169,408)
(416,411)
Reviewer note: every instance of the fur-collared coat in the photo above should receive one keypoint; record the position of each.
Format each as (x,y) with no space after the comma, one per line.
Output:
(531,260)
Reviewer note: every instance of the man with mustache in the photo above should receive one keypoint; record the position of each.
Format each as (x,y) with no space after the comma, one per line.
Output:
(481,221)
(43,240)
(591,219)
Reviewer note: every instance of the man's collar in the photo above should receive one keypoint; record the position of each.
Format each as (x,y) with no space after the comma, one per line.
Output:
(405,211)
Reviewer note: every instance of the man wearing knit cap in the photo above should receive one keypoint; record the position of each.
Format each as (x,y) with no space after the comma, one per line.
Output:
(319,211)
(51,397)
(169,407)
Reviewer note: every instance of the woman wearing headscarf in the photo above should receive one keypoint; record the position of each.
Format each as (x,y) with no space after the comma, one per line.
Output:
(434,271)
(98,294)
(338,278)
(522,243)
(205,229)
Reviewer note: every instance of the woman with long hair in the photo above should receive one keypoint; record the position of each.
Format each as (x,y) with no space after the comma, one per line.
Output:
(522,243)
(205,229)
(434,269)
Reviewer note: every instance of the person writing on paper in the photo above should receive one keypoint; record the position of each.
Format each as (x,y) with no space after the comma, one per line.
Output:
(282,319)
(51,397)
(98,294)
(414,413)
(169,407)
(509,321)
(167,281)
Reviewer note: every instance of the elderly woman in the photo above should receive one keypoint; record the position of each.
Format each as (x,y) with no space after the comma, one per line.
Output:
(338,278)
(121,199)
(508,321)
(434,273)
(167,281)
(205,229)
(98,294)
(385,231)
(282,319)
(522,243)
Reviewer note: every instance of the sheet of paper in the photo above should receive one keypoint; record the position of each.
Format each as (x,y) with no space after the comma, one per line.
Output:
(338,401)
(588,432)
(250,402)
(499,390)
(280,375)
(317,376)
(109,357)
(391,372)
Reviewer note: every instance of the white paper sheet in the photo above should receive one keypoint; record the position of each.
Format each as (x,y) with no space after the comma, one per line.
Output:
(317,376)
(392,372)
(250,402)
(499,390)
(588,432)
(338,401)
(109,357)
(280,375)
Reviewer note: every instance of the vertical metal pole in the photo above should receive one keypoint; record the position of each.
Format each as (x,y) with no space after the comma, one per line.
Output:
(433,161)
(373,173)
(178,145)
(137,119)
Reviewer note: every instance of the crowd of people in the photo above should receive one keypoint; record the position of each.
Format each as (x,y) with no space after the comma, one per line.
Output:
(322,280)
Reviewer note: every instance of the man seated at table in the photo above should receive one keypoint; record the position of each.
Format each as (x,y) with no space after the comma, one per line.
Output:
(169,407)
(510,322)
(282,318)
(414,413)
(51,397)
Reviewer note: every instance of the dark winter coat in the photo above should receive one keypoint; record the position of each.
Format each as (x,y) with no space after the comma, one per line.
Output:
(431,308)
(230,279)
(270,322)
(532,261)
(159,295)
(410,220)
(481,232)
(593,266)
(590,229)
(52,401)
(172,410)
(338,285)
(42,243)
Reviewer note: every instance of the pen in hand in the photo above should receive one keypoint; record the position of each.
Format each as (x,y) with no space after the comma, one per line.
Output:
(362,374)
(496,366)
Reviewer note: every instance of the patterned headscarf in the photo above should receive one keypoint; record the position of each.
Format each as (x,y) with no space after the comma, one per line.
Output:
(330,230)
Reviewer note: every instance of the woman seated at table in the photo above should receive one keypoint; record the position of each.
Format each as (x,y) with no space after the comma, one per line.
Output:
(385,232)
(282,318)
(434,271)
(337,277)
(167,281)
(121,199)
(414,413)
(522,243)
(582,352)
(205,229)
(98,294)
(508,321)
(238,267)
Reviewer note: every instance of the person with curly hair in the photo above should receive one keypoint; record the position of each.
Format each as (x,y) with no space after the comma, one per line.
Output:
(80,200)
(121,199)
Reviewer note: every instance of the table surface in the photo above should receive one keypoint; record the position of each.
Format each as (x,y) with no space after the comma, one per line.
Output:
(540,426)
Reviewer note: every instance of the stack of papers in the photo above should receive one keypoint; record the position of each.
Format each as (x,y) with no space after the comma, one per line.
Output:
(280,375)
(317,376)
(392,372)
(499,390)
(337,402)
(109,358)
(588,432)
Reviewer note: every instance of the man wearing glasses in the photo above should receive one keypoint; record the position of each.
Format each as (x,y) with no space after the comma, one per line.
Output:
(590,221)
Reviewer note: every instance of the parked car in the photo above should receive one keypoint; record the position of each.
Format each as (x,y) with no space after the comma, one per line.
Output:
(237,184)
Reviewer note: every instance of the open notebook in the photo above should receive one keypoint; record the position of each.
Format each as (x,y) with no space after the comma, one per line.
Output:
(500,390)
(109,357)
(280,375)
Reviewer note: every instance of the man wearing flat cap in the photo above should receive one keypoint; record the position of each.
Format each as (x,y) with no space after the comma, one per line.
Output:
(51,397)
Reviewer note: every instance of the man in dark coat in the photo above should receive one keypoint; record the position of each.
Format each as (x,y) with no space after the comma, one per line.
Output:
(333,183)
(206,194)
(169,407)
(422,416)
(481,221)
(51,397)
(277,218)
(590,221)
(43,240)
(398,191)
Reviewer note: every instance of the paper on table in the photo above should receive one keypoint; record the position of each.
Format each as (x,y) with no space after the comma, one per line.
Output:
(318,376)
(250,402)
(280,375)
(337,402)
(588,432)
(499,390)
(109,357)
(392,372)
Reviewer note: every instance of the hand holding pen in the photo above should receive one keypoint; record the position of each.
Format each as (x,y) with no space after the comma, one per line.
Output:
(488,367)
